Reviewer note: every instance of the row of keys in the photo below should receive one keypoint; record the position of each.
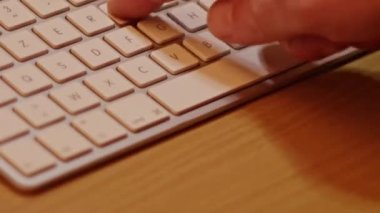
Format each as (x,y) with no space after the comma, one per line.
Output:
(96,54)
(29,80)
(108,84)
(58,33)
(212,81)
(14,14)
(69,142)
(64,141)
(136,112)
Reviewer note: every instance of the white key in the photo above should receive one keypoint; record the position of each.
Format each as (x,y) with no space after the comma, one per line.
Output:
(5,60)
(159,30)
(58,33)
(28,157)
(100,133)
(169,4)
(128,41)
(27,80)
(109,85)
(62,67)
(96,54)
(142,71)
(206,4)
(90,20)
(118,21)
(40,111)
(206,46)
(137,112)
(11,126)
(202,86)
(14,15)
(75,98)
(80,2)
(64,142)
(6,95)
(24,45)
(47,8)
(190,16)
(175,58)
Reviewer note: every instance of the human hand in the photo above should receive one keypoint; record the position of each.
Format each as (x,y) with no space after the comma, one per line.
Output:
(309,29)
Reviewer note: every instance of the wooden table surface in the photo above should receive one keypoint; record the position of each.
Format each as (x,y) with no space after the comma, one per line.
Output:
(312,147)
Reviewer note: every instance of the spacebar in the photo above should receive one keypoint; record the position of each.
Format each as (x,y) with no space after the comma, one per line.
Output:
(202,86)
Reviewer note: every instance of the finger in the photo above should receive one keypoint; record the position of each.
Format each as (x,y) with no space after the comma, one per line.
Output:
(311,48)
(260,21)
(369,45)
(254,21)
(133,9)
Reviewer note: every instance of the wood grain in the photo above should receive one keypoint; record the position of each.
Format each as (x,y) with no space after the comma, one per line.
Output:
(312,147)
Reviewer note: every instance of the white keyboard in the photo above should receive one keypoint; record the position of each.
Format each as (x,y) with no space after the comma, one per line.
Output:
(78,87)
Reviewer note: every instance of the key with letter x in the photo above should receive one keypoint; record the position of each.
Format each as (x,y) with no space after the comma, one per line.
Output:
(109,85)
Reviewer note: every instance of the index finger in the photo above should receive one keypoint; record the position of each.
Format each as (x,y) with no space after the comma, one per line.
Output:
(133,9)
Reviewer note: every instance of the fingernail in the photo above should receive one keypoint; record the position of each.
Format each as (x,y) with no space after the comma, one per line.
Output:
(221,19)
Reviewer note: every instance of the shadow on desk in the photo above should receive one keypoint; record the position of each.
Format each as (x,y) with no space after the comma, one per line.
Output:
(338,142)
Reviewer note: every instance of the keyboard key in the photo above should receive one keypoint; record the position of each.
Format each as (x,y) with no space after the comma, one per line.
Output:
(80,2)
(142,71)
(167,5)
(202,86)
(90,20)
(109,85)
(14,15)
(62,67)
(58,33)
(190,16)
(128,41)
(27,80)
(5,60)
(174,58)
(47,8)
(6,95)
(137,112)
(100,133)
(64,142)
(159,30)
(75,98)
(28,156)
(24,45)
(206,46)
(206,4)
(96,54)
(118,21)
(40,111)
(13,127)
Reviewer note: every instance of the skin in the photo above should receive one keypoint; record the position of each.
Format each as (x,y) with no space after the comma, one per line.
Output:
(309,29)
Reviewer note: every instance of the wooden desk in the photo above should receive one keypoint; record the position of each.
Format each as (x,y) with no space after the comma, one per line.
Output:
(312,147)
